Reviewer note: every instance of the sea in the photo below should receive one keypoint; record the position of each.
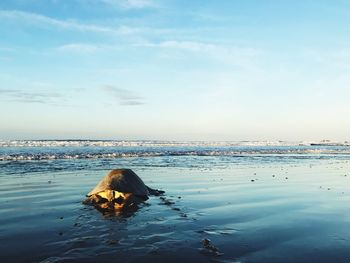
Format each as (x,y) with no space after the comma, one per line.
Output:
(246,201)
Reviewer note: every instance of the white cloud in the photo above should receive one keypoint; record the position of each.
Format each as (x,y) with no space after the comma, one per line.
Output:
(87,48)
(201,46)
(79,48)
(241,56)
(44,21)
(127,30)
(129,4)
(186,45)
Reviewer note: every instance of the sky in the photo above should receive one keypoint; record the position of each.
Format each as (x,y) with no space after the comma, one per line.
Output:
(175,69)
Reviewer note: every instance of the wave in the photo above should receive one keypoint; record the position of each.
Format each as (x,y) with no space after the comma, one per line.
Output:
(157,143)
(18,150)
(143,143)
(125,154)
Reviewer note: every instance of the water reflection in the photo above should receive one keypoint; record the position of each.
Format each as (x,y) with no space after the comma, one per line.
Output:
(122,208)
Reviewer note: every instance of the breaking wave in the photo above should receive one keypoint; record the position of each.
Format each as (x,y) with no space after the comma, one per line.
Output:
(93,149)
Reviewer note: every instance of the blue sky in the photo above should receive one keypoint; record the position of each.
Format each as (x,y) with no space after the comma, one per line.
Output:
(181,70)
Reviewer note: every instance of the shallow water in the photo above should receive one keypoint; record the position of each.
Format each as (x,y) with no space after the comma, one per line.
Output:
(268,208)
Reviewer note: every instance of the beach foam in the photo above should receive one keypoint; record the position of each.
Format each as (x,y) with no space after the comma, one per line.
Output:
(51,150)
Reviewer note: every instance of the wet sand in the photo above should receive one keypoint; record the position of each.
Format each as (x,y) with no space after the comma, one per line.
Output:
(267,212)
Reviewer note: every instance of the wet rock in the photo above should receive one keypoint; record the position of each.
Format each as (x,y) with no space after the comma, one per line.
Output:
(166,201)
(210,247)
(112,242)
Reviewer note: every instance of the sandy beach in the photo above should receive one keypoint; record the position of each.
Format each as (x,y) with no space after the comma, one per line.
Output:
(255,209)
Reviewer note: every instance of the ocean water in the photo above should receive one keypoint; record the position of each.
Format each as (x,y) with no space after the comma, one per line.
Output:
(254,201)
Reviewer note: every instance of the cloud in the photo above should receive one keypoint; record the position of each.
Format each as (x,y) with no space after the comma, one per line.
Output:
(79,48)
(199,46)
(227,53)
(131,4)
(123,96)
(43,21)
(187,45)
(127,30)
(42,97)
(86,48)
